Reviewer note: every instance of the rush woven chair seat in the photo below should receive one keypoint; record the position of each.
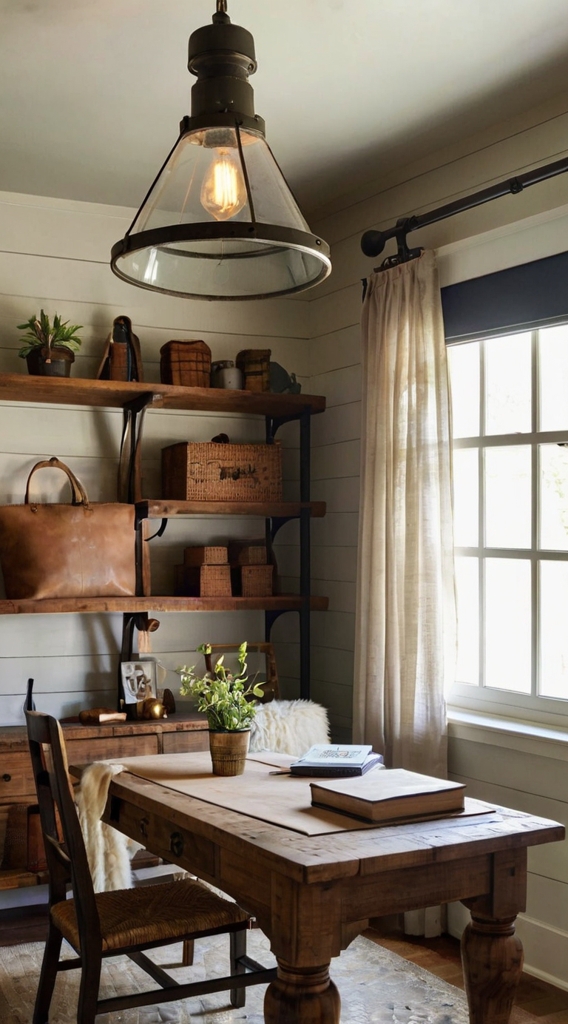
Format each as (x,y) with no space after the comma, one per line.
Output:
(125,921)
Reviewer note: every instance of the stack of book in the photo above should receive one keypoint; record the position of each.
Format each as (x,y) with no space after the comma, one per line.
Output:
(337,760)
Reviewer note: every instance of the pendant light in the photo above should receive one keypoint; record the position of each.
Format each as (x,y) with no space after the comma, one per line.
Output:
(219,220)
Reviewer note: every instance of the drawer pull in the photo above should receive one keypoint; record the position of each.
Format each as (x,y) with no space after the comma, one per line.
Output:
(176,844)
(143,826)
(6,777)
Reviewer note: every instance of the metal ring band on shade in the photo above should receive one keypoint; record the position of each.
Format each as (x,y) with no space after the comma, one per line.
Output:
(265,233)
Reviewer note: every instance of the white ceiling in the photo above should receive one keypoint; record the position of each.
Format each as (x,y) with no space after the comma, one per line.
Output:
(93,90)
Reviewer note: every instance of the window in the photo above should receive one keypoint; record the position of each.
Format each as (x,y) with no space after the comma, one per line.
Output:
(510,421)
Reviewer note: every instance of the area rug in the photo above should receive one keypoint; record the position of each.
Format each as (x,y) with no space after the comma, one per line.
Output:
(376,986)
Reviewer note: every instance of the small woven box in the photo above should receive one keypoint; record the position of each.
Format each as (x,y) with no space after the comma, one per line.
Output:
(187,363)
(203,581)
(256,580)
(205,556)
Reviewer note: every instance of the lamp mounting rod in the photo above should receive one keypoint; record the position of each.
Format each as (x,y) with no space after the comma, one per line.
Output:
(221,6)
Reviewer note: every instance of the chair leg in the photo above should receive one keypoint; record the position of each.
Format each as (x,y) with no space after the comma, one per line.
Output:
(48,975)
(89,988)
(188,951)
(238,949)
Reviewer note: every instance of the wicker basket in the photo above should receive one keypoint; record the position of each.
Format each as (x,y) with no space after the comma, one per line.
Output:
(206,471)
(255,365)
(256,580)
(247,552)
(205,556)
(203,581)
(187,363)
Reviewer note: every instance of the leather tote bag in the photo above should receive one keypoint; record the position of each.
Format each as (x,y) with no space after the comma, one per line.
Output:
(81,549)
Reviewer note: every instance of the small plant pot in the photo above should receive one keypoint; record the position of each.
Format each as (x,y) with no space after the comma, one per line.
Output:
(229,751)
(59,365)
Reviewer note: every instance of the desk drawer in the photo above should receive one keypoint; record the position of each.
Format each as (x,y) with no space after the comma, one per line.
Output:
(16,778)
(183,742)
(99,749)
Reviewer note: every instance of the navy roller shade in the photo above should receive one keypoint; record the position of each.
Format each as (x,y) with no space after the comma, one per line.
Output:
(528,296)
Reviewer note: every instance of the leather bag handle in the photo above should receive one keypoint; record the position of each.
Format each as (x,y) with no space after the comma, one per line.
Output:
(79,492)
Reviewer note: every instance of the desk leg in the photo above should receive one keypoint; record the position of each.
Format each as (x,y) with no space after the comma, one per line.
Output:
(301,995)
(492,957)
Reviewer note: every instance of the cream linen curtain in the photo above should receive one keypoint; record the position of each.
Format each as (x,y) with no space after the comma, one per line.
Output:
(405,623)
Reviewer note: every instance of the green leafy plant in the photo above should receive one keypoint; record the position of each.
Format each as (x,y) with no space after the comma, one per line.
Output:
(42,334)
(221,695)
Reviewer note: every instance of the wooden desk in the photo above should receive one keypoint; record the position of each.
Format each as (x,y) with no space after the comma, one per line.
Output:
(312,894)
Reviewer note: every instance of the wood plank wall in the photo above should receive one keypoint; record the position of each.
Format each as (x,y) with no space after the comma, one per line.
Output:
(54,255)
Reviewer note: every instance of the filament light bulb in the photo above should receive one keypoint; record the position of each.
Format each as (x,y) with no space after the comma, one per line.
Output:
(223,193)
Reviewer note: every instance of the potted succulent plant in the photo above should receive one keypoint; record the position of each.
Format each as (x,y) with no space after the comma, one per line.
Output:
(229,705)
(49,348)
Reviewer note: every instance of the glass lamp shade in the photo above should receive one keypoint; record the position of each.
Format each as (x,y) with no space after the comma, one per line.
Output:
(220,222)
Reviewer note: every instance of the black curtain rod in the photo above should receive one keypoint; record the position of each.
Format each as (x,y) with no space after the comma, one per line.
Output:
(373,242)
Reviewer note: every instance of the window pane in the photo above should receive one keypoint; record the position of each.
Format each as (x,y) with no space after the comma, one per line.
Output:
(508,624)
(463,361)
(553,632)
(467,588)
(466,491)
(553,497)
(508,497)
(553,352)
(508,384)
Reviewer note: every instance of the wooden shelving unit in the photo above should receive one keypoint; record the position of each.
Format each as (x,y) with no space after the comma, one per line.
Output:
(136,397)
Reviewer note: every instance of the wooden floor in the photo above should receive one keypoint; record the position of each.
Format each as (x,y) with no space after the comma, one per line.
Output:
(536,1002)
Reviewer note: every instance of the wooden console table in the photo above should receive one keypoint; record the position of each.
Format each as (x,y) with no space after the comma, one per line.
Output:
(313,893)
(21,853)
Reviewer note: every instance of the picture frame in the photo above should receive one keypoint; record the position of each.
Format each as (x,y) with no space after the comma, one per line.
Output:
(139,679)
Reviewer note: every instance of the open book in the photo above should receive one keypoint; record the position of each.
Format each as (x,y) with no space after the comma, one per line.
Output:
(336,760)
(391,795)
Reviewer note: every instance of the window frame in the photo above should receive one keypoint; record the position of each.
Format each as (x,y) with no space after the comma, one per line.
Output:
(479,697)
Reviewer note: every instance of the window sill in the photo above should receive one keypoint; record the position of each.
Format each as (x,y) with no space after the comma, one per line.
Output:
(527,737)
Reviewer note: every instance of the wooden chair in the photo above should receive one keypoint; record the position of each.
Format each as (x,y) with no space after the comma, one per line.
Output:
(125,921)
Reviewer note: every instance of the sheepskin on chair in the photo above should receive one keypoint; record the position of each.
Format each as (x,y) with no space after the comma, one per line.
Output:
(108,851)
(289,726)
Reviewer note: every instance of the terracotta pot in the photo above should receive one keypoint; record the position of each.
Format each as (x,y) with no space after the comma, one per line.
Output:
(59,366)
(228,751)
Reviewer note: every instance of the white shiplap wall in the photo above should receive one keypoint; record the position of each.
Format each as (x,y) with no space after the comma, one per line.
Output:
(54,254)
(512,230)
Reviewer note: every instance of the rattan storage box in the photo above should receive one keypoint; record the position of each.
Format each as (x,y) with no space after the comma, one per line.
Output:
(203,581)
(256,580)
(217,555)
(206,471)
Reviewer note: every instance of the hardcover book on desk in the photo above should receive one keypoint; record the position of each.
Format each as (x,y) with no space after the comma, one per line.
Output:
(337,760)
(391,795)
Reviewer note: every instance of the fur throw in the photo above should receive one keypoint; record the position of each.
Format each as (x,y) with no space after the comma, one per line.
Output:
(288,727)
(108,851)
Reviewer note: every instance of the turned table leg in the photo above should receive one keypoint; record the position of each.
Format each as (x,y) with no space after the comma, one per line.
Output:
(302,995)
(492,957)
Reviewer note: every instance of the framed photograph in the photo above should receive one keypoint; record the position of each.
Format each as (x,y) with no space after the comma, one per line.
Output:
(139,679)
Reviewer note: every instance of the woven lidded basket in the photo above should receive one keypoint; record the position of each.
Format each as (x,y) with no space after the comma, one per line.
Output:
(187,363)
(256,580)
(255,365)
(207,471)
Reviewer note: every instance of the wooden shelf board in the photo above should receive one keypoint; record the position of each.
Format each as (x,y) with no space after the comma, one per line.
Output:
(278,602)
(16,387)
(165,509)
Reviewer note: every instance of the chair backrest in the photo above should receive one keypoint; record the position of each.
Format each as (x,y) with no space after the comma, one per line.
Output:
(64,845)
(268,675)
